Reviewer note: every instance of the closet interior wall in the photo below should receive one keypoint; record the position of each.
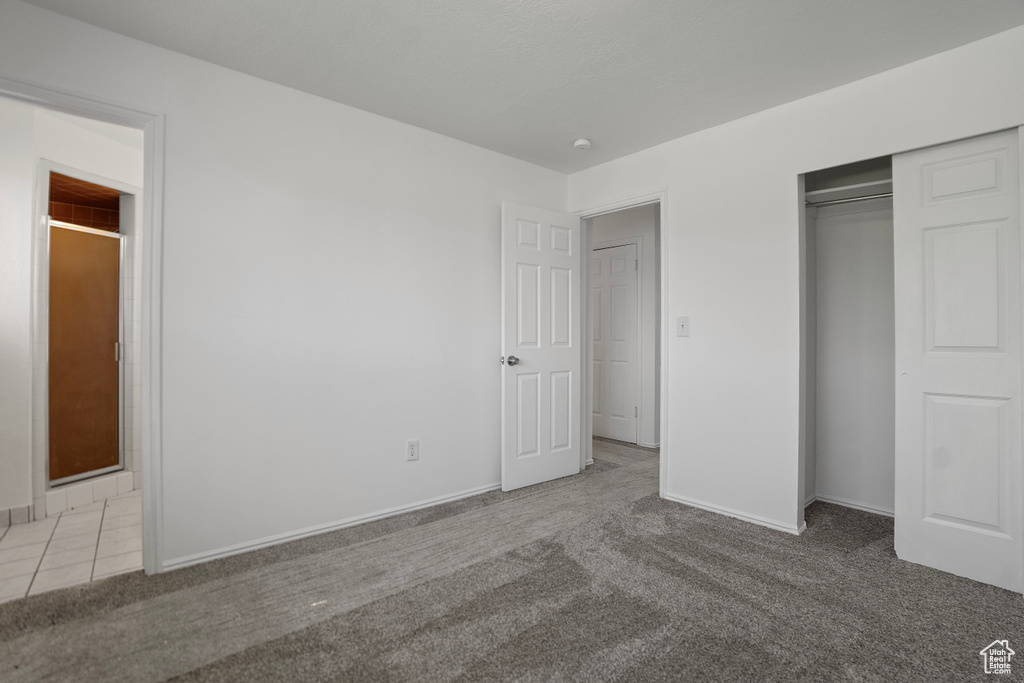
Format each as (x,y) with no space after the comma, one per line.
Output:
(850,337)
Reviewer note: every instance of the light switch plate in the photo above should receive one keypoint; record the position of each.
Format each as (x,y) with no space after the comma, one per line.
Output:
(683,326)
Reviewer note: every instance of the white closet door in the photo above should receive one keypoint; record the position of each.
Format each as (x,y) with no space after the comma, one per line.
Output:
(616,342)
(958,358)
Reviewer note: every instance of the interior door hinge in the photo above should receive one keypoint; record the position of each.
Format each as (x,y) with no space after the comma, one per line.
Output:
(635,414)
(636,265)
(117,352)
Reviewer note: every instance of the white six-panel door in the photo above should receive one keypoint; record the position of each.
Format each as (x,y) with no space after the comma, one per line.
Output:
(616,341)
(541,336)
(958,358)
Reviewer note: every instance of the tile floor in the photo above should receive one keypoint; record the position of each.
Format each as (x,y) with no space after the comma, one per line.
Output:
(83,544)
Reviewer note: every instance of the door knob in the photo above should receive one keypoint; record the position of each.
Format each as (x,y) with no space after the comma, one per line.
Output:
(512,360)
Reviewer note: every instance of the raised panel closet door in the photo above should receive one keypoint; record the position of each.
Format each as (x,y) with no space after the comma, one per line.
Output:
(958,358)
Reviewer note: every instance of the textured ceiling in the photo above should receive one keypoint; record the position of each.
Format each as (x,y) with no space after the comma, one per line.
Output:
(527,77)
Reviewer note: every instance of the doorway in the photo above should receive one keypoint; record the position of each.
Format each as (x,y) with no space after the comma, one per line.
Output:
(548,334)
(87,297)
(85,396)
(64,132)
(624,395)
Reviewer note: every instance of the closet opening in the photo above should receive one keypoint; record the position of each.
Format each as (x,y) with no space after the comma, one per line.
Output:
(848,334)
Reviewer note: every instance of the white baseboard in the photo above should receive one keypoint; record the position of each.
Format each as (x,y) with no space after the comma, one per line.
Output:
(650,445)
(744,516)
(188,560)
(852,504)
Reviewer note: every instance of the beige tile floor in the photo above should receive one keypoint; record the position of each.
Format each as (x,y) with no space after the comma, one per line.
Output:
(83,544)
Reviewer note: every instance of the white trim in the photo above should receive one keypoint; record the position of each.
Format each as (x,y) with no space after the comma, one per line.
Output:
(153,127)
(276,539)
(620,242)
(587,350)
(743,516)
(74,103)
(91,474)
(654,196)
(1020,219)
(152,358)
(663,373)
(851,504)
(82,228)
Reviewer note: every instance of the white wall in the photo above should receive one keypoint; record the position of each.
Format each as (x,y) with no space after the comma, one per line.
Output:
(854,449)
(82,144)
(326,270)
(731,244)
(330,289)
(109,155)
(17,179)
(30,134)
(641,221)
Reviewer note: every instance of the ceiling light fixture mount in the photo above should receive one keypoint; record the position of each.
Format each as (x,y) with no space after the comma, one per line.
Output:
(582,144)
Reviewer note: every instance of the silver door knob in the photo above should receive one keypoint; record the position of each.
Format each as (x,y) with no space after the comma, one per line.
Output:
(512,360)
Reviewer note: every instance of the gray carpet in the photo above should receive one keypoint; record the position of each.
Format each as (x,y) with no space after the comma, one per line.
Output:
(589,578)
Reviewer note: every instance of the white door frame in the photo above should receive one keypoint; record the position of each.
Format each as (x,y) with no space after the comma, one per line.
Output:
(152,125)
(1020,199)
(612,205)
(638,242)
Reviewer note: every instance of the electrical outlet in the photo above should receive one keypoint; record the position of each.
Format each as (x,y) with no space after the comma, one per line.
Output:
(412,449)
(683,326)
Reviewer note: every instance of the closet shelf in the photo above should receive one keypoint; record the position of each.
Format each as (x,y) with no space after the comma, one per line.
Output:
(832,194)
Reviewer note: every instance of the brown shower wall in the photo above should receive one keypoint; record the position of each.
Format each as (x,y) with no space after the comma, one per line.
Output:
(87,216)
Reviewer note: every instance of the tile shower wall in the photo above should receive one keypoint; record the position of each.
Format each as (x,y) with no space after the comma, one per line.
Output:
(87,216)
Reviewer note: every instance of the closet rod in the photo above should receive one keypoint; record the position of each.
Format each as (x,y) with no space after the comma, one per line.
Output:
(851,199)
